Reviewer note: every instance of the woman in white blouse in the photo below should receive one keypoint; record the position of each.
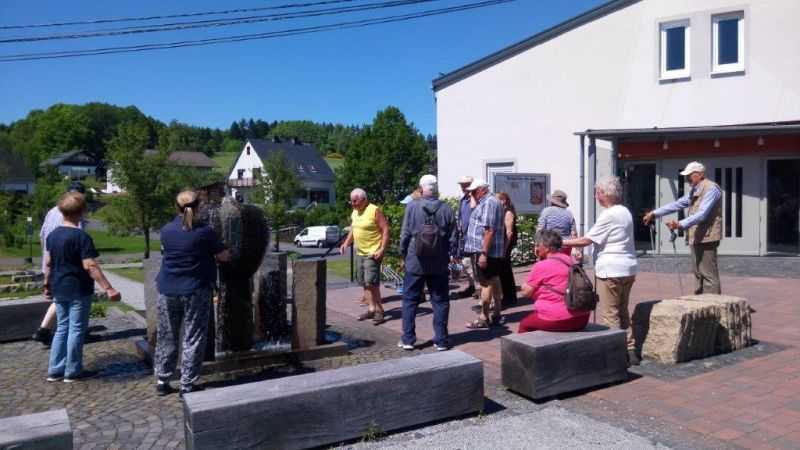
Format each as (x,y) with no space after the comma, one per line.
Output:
(616,265)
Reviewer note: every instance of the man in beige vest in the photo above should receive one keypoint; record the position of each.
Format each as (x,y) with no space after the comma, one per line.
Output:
(703,225)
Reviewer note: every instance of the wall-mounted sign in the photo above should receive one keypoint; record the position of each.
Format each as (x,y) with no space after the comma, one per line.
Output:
(528,191)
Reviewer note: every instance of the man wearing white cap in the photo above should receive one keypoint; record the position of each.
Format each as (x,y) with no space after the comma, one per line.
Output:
(465,207)
(703,225)
(425,240)
(485,240)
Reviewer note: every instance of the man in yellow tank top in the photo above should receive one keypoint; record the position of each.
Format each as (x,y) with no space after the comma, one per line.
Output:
(369,230)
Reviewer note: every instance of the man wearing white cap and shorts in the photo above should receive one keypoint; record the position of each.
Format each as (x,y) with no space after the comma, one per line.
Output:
(703,225)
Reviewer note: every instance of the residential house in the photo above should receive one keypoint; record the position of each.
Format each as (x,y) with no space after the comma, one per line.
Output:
(74,164)
(639,88)
(192,160)
(15,176)
(313,171)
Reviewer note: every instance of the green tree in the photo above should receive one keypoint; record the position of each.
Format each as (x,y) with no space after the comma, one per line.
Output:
(386,159)
(42,134)
(276,191)
(147,179)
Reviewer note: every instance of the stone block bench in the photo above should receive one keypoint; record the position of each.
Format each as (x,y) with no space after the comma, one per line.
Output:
(42,431)
(542,364)
(333,406)
(20,318)
(691,327)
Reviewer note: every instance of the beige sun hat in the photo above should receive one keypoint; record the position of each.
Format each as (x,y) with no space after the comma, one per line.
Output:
(559,198)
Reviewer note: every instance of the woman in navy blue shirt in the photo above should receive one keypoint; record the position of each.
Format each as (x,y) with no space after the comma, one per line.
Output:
(70,273)
(185,282)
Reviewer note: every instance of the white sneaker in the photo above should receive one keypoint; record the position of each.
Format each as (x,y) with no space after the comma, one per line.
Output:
(407,347)
(441,348)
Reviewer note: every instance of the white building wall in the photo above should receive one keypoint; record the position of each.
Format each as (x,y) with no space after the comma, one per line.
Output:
(605,74)
(248,160)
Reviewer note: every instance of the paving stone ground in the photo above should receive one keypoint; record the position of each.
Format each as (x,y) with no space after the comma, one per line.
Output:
(746,400)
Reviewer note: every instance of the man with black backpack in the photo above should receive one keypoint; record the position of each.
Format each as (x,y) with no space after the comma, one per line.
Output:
(425,241)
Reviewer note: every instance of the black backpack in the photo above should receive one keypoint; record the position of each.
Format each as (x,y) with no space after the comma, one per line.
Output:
(580,294)
(428,235)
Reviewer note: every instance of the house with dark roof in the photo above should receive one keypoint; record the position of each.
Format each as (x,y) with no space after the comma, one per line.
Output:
(73,164)
(313,171)
(638,89)
(190,160)
(15,176)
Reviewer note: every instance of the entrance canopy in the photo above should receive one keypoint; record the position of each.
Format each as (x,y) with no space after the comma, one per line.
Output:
(747,157)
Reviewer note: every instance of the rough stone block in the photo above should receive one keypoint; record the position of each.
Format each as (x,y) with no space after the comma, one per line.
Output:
(151,266)
(542,364)
(316,409)
(42,431)
(735,322)
(673,331)
(269,298)
(20,318)
(308,313)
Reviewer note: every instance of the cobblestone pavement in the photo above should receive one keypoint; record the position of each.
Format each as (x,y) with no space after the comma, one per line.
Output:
(119,408)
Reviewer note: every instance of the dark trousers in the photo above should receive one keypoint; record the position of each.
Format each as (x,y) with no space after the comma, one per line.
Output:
(438,287)
(507,282)
(706,272)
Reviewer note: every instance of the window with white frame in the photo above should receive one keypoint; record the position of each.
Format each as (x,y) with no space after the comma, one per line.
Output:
(727,42)
(675,40)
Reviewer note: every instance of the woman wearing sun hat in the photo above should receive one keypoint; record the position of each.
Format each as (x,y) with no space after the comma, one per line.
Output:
(558,218)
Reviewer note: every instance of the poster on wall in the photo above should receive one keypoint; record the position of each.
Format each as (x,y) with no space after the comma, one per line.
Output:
(528,191)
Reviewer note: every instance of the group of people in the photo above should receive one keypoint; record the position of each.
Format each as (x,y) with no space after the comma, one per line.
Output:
(480,235)
(482,232)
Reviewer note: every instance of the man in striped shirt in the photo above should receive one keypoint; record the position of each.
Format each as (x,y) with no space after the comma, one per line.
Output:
(485,240)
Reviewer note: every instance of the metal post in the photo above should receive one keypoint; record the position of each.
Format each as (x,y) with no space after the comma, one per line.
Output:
(592,213)
(29,232)
(582,188)
(352,269)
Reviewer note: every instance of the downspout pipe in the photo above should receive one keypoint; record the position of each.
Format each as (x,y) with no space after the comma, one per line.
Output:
(582,187)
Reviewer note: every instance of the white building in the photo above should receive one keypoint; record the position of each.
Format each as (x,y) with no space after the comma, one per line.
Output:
(662,83)
(184,159)
(315,174)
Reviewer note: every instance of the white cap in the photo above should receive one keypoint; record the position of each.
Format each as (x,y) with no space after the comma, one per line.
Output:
(692,167)
(477,184)
(466,179)
(428,180)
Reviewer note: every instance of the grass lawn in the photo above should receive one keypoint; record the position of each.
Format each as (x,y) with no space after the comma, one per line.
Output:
(224,162)
(334,163)
(21,294)
(131,273)
(104,242)
(340,268)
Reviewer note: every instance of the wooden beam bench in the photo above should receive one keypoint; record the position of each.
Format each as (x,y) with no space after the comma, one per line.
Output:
(543,364)
(333,406)
(42,431)
(19,319)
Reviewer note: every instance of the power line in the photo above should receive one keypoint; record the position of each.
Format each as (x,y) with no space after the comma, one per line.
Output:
(180,26)
(254,36)
(172,16)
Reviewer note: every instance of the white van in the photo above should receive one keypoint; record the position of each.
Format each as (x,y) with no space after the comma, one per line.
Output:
(319,236)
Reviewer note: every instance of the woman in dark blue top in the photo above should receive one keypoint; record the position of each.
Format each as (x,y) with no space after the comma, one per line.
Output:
(185,282)
(70,273)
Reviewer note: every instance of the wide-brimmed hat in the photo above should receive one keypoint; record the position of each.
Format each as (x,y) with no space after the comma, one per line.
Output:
(692,167)
(559,198)
(466,179)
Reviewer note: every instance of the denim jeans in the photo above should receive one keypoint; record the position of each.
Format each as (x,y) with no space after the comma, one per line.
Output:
(438,286)
(66,350)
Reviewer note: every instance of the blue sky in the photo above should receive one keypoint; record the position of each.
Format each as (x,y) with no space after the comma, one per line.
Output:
(341,76)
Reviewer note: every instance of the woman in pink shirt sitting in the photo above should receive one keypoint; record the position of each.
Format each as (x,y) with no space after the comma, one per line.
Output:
(546,284)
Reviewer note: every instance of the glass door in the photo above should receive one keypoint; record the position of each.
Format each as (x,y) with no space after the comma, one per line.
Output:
(783,206)
(639,186)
